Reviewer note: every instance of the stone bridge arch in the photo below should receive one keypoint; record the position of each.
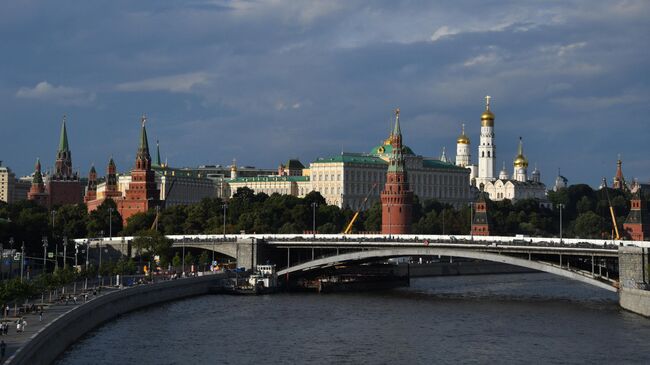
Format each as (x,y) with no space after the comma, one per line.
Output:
(377,254)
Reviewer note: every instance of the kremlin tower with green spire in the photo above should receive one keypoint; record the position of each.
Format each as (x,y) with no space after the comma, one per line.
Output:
(397,197)
(63,186)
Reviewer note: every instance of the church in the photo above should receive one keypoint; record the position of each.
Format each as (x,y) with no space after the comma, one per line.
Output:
(517,186)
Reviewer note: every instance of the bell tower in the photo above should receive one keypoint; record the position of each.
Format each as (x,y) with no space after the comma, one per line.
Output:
(486,147)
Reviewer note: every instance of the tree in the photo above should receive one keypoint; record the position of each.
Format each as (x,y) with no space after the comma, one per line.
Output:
(176,261)
(152,243)
(105,220)
(139,222)
(588,225)
(204,260)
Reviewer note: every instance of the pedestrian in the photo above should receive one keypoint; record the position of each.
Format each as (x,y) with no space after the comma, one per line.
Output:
(74,299)
(6,328)
(18,327)
(24,325)
(3,349)
(40,315)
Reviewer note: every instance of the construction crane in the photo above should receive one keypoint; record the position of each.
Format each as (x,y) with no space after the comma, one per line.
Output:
(611,210)
(348,228)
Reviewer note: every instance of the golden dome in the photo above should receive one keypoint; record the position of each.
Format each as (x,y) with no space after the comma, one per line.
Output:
(463,139)
(487,118)
(521,161)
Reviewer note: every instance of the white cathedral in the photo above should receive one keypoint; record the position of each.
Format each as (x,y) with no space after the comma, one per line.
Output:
(503,186)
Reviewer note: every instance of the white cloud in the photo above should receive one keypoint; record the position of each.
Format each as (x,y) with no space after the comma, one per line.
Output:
(481,59)
(441,32)
(181,83)
(62,95)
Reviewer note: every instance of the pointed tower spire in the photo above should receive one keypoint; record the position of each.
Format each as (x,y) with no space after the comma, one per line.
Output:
(144,141)
(63,140)
(38,176)
(143,158)
(397,131)
(157,161)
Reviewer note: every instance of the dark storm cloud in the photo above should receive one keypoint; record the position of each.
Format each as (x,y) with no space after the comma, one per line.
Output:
(263,81)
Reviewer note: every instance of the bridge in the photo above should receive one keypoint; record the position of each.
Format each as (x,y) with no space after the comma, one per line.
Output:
(590,261)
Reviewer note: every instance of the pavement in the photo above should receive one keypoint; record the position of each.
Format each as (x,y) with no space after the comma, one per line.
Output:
(51,311)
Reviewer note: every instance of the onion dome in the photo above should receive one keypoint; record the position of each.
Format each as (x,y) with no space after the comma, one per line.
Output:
(503,174)
(463,139)
(487,118)
(520,160)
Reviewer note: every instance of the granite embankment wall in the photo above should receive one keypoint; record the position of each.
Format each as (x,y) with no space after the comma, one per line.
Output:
(55,338)
(634,271)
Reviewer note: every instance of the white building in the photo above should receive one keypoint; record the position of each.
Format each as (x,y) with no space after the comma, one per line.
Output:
(504,186)
(11,189)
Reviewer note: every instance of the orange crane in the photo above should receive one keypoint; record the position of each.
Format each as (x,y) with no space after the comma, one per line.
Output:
(611,211)
(348,228)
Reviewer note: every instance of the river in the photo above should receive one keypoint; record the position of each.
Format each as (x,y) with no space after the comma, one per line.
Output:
(495,319)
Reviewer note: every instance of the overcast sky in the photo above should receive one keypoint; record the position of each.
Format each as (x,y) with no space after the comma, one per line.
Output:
(264,81)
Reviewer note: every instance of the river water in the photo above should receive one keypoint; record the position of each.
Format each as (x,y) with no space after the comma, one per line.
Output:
(490,319)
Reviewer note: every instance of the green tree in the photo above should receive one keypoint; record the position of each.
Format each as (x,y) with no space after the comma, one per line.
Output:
(105,220)
(588,225)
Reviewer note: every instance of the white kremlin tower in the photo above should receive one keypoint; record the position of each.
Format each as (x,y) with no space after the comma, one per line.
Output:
(486,148)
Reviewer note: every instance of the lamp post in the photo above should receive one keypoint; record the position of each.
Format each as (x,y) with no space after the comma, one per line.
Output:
(99,247)
(11,259)
(443,221)
(76,257)
(65,252)
(225,208)
(87,262)
(44,254)
(22,261)
(110,223)
(314,205)
(2,260)
(560,206)
(183,261)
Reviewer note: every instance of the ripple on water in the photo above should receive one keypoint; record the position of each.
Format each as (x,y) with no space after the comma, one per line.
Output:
(513,318)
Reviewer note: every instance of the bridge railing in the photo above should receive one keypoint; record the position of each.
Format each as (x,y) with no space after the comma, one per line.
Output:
(548,241)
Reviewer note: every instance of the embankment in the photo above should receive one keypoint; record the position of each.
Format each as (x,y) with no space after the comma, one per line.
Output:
(54,339)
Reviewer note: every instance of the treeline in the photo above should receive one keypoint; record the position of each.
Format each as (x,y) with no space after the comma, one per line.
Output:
(585,214)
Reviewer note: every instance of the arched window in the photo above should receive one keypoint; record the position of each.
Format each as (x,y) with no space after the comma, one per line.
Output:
(482,154)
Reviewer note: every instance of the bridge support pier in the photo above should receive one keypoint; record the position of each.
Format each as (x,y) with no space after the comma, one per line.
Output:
(634,293)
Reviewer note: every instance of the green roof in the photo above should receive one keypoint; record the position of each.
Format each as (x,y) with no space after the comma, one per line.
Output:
(387,150)
(362,158)
(358,158)
(269,179)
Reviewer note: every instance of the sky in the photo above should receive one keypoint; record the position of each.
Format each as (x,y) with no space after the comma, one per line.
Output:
(265,81)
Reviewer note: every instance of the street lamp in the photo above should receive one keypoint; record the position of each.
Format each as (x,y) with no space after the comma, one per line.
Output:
(110,223)
(22,261)
(44,254)
(65,253)
(314,205)
(2,260)
(99,247)
(76,257)
(183,261)
(560,206)
(225,207)
(11,259)
(87,262)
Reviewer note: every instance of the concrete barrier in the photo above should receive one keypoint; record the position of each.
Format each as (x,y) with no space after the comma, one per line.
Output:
(635,300)
(55,338)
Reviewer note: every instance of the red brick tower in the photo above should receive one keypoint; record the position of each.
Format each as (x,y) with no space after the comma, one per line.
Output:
(636,225)
(37,191)
(143,192)
(64,186)
(111,181)
(480,222)
(91,188)
(397,197)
